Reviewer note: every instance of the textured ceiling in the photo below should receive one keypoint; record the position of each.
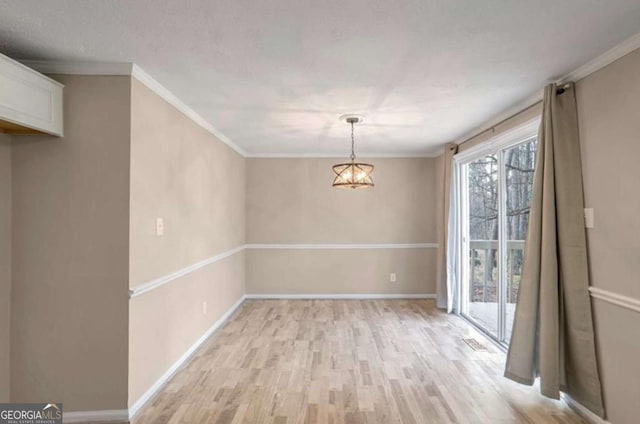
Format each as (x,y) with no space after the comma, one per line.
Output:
(274,76)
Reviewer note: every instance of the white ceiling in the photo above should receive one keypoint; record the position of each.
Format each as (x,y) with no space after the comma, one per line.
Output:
(274,76)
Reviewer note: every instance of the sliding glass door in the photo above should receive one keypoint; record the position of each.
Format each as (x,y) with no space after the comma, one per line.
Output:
(494,192)
(483,230)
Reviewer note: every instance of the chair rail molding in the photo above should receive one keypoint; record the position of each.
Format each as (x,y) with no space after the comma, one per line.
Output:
(342,246)
(153,284)
(621,300)
(160,281)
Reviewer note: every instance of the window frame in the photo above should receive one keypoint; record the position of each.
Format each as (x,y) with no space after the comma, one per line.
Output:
(497,145)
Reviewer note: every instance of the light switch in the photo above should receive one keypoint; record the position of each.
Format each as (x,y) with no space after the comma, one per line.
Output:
(392,277)
(588,217)
(159,226)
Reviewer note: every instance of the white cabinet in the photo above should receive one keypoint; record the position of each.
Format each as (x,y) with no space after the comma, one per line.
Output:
(29,101)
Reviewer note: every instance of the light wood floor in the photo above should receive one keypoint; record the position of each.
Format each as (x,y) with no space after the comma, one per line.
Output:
(352,361)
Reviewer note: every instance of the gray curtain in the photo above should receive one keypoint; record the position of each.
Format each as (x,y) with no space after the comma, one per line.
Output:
(444,295)
(553,330)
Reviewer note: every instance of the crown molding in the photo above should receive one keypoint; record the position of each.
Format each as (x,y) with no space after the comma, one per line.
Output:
(133,70)
(361,155)
(146,79)
(126,68)
(616,52)
(80,68)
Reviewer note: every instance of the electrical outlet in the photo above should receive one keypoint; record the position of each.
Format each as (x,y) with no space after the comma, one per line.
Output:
(159,226)
(392,277)
(204,308)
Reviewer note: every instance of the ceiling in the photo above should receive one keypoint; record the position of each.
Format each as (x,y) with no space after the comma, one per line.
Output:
(273,76)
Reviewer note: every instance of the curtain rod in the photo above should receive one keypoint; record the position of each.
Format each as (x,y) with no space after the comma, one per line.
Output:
(493,127)
(561,89)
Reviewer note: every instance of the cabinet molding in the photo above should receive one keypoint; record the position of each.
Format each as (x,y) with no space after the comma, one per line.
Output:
(30,103)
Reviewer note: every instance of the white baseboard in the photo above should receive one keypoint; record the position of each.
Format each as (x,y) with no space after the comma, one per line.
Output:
(111,415)
(137,405)
(582,411)
(337,296)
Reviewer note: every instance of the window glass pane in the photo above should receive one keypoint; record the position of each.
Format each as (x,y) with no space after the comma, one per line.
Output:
(482,302)
(519,163)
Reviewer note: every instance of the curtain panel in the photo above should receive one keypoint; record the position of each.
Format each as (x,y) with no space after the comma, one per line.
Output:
(553,336)
(445,284)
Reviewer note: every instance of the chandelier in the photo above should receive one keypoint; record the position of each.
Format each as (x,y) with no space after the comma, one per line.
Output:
(353,174)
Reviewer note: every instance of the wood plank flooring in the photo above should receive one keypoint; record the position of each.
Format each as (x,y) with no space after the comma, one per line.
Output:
(347,362)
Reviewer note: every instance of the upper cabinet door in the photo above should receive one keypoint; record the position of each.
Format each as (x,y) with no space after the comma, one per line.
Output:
(30,103)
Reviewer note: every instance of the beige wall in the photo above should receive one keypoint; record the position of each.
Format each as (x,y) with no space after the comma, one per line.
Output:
(69,312)
(181,173)
(609,115)
(291,201)
(340,271)
(166,322)
(608,104)
(5,263)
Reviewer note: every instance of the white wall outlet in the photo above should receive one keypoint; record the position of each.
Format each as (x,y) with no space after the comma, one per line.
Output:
(392,277)
(588,217)
(204,308)
(159,226)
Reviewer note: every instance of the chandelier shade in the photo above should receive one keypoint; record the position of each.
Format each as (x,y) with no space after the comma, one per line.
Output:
(353,174)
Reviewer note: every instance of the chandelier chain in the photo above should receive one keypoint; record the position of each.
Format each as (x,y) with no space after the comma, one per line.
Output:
(353,143)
